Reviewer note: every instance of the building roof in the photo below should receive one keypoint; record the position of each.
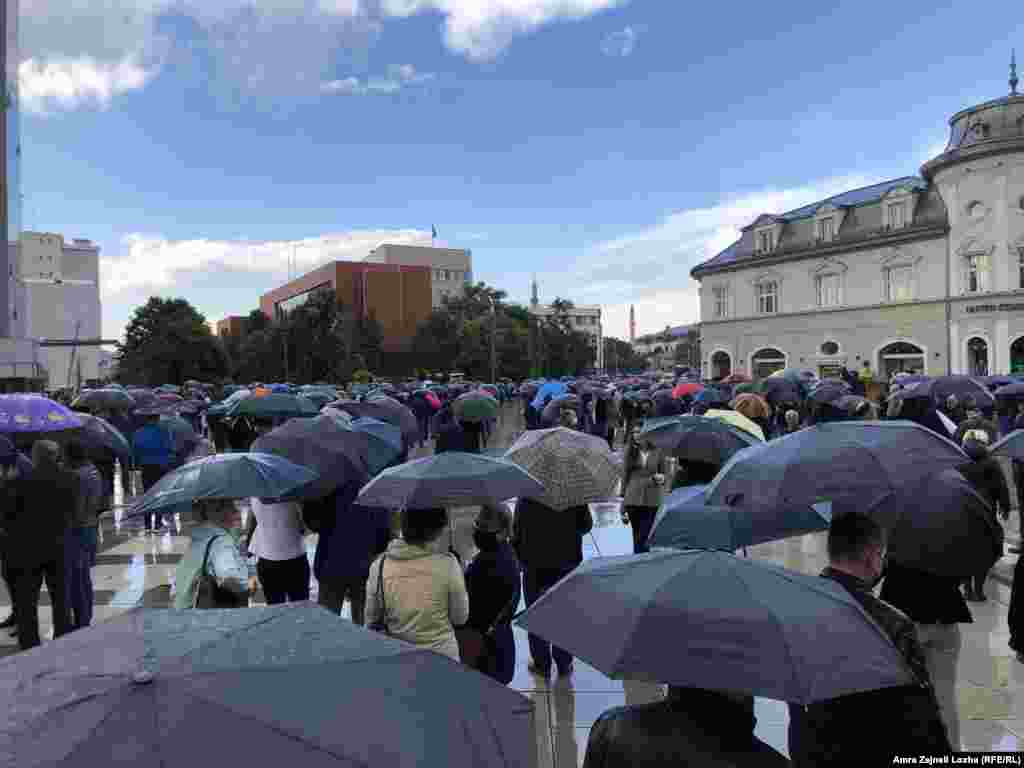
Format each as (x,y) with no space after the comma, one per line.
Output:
(675,332)
(850,199)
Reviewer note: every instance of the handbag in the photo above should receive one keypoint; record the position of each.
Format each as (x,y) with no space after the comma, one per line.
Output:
(475,646)
(381,622)
(209,594)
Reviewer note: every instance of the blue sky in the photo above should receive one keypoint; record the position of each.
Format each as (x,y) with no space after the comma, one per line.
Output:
(607,145)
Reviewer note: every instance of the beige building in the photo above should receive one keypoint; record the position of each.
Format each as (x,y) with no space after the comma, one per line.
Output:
(58,283)
(451,268)
(585,318)
(921,273)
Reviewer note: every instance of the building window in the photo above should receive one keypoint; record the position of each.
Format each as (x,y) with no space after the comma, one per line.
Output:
(830,349)
(829,289)
(899,282)
(896,217)
(826,229)
(977,273)
(721,299)
(437,274)
(768,297)
(1020,268)
(766,241)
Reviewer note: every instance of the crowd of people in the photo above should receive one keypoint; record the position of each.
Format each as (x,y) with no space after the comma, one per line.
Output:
(404,577)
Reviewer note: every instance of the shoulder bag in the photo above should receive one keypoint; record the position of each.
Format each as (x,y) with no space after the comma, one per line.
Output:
(381,623)
(475,646)
(209,594)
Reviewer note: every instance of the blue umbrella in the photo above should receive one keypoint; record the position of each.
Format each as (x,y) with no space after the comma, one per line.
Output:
(685,521)
(101,435)
(225,476)
(35,413)
(552,388)
(383,443)
(853,464)
(448,480)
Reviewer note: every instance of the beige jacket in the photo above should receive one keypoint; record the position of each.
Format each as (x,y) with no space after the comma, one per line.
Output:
(641,490)
(424,596)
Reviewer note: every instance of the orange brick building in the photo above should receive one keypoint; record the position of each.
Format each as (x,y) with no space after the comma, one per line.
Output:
(398,296)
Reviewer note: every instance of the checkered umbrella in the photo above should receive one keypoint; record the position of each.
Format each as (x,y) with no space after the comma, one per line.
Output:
(575,468)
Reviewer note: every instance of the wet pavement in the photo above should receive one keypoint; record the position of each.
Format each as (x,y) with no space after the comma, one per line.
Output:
(137,570)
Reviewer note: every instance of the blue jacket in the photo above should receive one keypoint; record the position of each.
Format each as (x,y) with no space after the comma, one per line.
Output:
(153,445)
(351,536)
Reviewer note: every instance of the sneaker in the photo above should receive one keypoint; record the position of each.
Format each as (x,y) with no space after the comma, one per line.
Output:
(537,669)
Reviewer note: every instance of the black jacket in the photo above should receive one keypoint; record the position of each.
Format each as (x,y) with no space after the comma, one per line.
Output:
(986,476)
(924,597)
(351,536)
(492,581)
(545,538)
(40,517)
(701,729)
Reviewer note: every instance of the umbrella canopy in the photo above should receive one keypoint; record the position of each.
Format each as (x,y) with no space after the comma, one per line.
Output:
(736,377)
(384,409)
(169,388)
(35,413)
(475,406)
(338,415)
(214,687)
(941,524)
(711,620)
(448,480)
(100,436)
(737,420)
(995,382)
(1012,445)
(853,464)
(553,409)
(713,396)
(382,442)
(941,388)
(104,400)
(686,388)
(321,444)
(319,398)
(552,388)
(697,438)
(1013,391)
(828,391)
(575,468)
(779,390)
(745,388)
(685,521)
(225,476)
(271,406)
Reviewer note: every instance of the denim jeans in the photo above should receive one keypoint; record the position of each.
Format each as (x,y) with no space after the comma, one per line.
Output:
(81,546)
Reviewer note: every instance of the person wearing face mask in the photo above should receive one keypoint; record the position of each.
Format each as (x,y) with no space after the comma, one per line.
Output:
(213,573)
(897,720)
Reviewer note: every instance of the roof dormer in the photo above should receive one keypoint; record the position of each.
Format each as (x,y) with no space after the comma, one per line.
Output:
(767,231)
(828,218)
(898,205)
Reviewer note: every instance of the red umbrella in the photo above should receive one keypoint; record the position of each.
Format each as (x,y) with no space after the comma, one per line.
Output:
(433,399)
(737,377)
(687,388)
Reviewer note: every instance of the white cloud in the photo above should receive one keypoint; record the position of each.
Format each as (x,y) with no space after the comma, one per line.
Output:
(480,29)
(651,268)
(621,43)
(72,83)
(399,76)
(154,263)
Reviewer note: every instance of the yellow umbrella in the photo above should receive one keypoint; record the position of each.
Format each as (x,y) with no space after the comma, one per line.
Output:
(737,420)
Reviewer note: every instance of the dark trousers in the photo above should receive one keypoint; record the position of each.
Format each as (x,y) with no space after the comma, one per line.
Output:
(537,581)
(284,580)
(641,520)
(1015,617)
(80,557)
(28,580)
(151,474)
(333,594)
(8,577)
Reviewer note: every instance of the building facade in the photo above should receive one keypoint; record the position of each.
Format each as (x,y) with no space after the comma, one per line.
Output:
(232,325)
(451,269)
(676,345)
(922,273)
(585,318)
(397,296)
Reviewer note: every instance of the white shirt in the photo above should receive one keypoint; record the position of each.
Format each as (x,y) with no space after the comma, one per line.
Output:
(279,530)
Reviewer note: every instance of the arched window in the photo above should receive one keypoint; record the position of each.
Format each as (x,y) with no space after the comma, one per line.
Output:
(977,357)
(1017,355)
(900,356)
(721,365)
(765,362)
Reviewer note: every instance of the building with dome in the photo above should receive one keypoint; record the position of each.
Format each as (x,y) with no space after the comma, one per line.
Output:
(921,273)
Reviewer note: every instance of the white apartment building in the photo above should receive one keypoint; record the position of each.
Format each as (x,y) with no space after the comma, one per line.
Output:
(451,268)
(585,318)
(921,273)
(58,297)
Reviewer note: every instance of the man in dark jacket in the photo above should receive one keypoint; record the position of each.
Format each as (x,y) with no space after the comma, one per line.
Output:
(37,527)
(691,727)
(493,586)
(975,420)
(83,538)
(351,537)
(986,477)
(903,720)
(14,469)
(549,544)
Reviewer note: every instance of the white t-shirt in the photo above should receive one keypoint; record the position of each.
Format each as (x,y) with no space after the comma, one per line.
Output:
(279,530)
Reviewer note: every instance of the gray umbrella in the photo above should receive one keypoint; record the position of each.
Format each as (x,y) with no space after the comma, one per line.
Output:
(685,521)
(283,685)
(449,480)
(711,620)
(852,464)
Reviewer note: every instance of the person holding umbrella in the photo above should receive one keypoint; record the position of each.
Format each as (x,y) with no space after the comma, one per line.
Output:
(645,484)
(14,469)
(213,574)
(153,448)
(83,538)
(984,473)
(832,732)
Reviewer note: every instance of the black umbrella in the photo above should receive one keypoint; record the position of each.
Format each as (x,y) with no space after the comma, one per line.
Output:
(941,388)
(827,392)
(1013,391)
(940,524)
(284,685)
(696,438)
(144,398)
(100,437)
(335,453)
(383,409)
(777,389)
(104,400)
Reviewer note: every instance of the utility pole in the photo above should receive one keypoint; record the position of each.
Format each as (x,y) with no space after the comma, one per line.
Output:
(494,330)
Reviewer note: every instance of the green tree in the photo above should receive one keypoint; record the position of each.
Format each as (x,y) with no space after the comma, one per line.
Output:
(256,321)
(619,355)
(169,341)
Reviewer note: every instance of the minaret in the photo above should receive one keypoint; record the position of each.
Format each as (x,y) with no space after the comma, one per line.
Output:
(1013,72)
(632,324)
(534,301)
